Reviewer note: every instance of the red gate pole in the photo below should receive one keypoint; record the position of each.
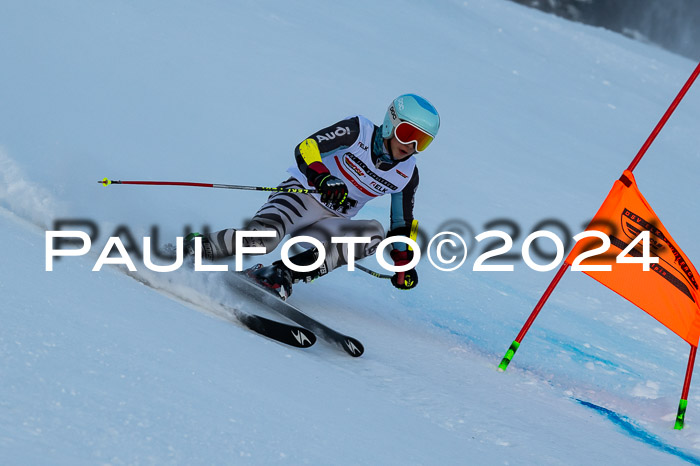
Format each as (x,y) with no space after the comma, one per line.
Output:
(664,118)
(516,344)
(533,315)
(680,417)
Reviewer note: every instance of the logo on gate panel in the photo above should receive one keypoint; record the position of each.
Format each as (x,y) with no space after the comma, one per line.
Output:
(634,224)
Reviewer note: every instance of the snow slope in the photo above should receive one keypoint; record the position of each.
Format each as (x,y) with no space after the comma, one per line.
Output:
(539,115)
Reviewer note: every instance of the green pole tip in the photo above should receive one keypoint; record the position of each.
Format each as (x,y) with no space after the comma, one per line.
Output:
(509,356)
(680,417)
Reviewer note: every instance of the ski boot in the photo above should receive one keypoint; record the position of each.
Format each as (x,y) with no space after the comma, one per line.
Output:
(279,278)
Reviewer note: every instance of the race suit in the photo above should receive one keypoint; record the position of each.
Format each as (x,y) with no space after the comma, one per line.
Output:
(352,150)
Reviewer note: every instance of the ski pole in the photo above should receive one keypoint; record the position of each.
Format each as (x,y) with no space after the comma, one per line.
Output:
(107,182)
(413,235)
(372,272)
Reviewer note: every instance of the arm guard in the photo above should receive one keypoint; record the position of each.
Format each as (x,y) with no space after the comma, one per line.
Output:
(309,160)
(310,152)
(402,211)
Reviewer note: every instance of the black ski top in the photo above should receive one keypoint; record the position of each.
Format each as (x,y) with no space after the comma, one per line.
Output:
(342,149)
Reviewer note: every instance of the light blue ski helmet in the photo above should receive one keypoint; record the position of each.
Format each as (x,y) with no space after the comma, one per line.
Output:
(413,109)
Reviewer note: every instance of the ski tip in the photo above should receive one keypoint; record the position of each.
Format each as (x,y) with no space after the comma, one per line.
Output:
(292,335)
(353,347)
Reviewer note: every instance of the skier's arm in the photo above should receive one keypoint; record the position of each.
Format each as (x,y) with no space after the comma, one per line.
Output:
(402,211)
(309,153)
(401,220)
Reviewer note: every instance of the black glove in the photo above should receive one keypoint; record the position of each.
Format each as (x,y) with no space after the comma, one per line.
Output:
(332,189)
(404,280)
(188,246)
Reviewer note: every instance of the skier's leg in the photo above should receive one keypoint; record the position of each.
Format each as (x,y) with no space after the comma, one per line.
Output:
(280,278)
(283,213)
(337,254)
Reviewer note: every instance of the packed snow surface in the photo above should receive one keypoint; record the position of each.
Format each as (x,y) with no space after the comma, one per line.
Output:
(539,117)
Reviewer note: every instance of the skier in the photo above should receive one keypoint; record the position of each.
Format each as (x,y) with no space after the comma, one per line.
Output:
(348,163)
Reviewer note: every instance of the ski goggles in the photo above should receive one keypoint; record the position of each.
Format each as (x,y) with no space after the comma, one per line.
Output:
(406,133)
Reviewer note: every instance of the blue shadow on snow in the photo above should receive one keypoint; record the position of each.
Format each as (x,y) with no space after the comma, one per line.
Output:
(630,428)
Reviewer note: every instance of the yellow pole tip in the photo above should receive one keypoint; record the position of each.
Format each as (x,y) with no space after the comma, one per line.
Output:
(105,182)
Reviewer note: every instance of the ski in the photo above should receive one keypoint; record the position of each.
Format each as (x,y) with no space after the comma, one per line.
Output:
(241,282)
(292,335)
